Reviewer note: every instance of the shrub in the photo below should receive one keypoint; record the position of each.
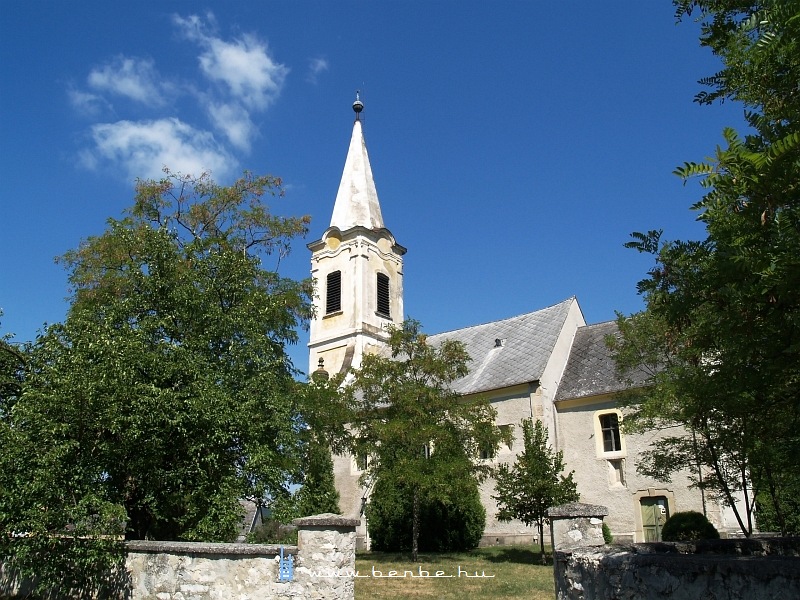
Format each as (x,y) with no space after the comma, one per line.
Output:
(445,526)
(607,537)
(687,526)
(272,531)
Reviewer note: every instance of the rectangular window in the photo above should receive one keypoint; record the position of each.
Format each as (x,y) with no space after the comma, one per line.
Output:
(609,425)
(333,293)
(487,452)
(383,296)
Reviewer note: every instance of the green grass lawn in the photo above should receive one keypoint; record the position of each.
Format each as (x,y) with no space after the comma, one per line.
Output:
(514,572)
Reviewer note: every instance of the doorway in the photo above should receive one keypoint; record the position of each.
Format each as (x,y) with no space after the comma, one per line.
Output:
(655,512)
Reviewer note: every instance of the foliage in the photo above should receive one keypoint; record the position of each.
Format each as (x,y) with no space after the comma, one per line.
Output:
(789,500)
(607,537)
(450,525)
(414,429)
(722,317)
(318,493)
(166,395)
(273,531)
(687,526)
(12,367)
(534,482)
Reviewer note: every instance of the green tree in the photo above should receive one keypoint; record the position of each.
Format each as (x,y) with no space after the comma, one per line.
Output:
(318,493)
(454,525)
(167,394)
(12,367)
(410,424)
(535,481)
(722,317)
(54,522)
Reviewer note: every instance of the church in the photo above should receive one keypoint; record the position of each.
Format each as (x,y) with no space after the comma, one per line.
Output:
(548,364)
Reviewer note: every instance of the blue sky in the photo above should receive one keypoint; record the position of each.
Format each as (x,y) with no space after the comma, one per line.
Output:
(515,145)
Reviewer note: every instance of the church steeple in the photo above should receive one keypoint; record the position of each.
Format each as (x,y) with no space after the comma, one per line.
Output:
(357,200)
(357,268)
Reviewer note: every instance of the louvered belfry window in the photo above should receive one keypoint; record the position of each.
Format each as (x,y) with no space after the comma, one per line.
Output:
(333,293)
(383,296)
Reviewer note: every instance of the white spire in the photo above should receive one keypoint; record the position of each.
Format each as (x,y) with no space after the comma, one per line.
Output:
(357,200)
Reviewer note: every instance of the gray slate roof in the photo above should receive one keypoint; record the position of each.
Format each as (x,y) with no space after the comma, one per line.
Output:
(527,344)
(249,520)
(590,368)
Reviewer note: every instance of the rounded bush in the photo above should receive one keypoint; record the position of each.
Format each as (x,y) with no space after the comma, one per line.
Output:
(451,526)
(687,526)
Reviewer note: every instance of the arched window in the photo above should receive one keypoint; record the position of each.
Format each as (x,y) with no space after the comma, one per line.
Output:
(383,296)
(333,293)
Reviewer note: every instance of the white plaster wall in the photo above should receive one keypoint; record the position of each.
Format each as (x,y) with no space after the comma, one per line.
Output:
(592,473)
(555,369)
(346,479)
(360,255)
(513,406)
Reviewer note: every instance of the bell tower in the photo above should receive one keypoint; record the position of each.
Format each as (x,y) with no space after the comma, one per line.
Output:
(357,268)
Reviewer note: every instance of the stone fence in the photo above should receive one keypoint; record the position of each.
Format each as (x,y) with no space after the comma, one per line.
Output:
(322,567)
(761,568)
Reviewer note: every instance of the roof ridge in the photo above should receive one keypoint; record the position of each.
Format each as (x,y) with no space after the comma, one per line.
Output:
(608,322)
(567,300)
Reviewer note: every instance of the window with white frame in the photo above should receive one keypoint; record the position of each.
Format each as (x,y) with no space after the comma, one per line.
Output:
(609,425)
(610,443)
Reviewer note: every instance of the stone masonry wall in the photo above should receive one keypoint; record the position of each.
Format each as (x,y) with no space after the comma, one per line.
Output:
(324,567)
(576,525)
(732,569)
(189,571)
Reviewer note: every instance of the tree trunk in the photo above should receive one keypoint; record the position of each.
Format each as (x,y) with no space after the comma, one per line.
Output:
(773,494)
(415,527)
(541,540)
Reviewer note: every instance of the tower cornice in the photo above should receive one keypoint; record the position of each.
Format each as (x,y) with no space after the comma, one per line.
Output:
(373,235)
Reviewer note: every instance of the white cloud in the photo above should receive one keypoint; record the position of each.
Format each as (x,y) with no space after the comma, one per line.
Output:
(87,103)
(194,27)
(243,65)
(245,78)
(315,67)
(143,148)
(134,78)
(233,120)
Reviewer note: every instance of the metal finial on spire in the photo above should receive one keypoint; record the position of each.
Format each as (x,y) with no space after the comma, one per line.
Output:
(358,105)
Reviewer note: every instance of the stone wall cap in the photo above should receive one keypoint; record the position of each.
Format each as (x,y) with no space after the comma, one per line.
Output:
(168,547)
(326,520)
(577,509)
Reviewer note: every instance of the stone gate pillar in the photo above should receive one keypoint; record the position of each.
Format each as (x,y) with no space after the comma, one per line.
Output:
(576,525)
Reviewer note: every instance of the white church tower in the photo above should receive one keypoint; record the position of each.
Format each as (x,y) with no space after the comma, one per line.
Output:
(357,267)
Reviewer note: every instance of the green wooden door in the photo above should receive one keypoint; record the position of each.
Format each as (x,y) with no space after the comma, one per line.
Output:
(654,514)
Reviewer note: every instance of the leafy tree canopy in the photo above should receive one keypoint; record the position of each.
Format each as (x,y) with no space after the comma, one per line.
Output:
(410,424)
(167,394)
(722,317)
(535,481)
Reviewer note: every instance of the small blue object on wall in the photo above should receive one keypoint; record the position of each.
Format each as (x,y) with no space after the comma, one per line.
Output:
(285,567)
